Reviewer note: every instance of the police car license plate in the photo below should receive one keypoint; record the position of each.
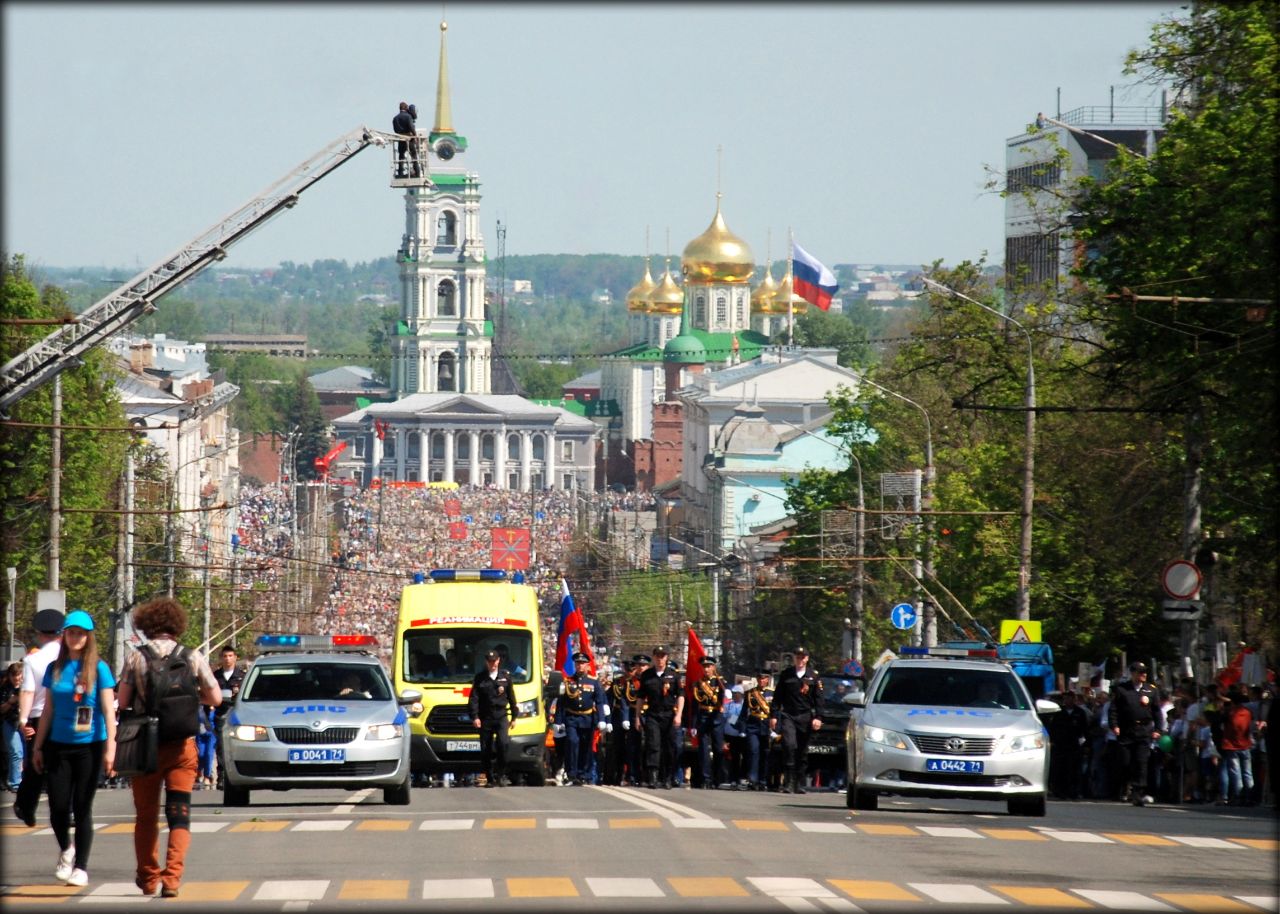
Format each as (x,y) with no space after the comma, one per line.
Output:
(953,765)
(462,745)
(312,756)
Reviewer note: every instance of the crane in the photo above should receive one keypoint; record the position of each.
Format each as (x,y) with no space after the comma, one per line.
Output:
(63,348)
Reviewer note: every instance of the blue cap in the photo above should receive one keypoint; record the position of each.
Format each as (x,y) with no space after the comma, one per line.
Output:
(78,618)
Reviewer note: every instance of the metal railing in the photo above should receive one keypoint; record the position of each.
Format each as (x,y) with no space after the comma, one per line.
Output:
(1116,115)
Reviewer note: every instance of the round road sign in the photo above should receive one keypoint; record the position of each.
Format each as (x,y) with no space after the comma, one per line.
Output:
(1181,579)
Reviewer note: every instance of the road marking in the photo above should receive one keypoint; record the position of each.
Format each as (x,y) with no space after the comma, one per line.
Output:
(874,829)
(114,891)
(957,893)
(623,887)
(121,828)
(510,823)
(697,823)
(706,887)
(1266,902)
(292,890)
(358,797)
(447,825)
(760,825)
(1124,901)
(790,887)
(213,891)
(542,887)
(1131,838)
(273,825)
(1210,904)
(457,888)
(1041,897)
(948,831)
(573,823)
(1195,841)
(645,822)
(873,890)
(1079,837)
(1262,844)
(199,828)
(1014,834)
(323,825)
(654,803)
(374,890)
(823,827)
(384,825)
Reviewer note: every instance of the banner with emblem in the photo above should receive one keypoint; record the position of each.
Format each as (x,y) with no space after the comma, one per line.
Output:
(509,548)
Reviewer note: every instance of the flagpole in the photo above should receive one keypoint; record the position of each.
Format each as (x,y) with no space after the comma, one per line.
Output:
(791,319)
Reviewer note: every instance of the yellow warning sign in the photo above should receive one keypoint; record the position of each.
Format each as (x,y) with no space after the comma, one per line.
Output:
(1020,632)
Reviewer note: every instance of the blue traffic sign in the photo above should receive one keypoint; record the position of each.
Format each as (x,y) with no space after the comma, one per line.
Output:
(903,616)
(853,668)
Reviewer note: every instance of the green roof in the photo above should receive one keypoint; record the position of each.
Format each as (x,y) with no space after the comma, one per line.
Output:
(686,349)
(719,347)
(448,180)
(576,407)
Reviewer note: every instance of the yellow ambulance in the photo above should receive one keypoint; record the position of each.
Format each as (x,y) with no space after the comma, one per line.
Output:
(449,619)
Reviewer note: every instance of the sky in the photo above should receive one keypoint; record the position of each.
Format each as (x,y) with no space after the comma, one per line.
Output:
(864,129)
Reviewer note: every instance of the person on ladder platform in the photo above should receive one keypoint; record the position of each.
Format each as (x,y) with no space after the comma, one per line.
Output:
(794,713)
(404,124)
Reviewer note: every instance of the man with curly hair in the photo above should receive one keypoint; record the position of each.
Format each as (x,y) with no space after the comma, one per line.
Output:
(163,621)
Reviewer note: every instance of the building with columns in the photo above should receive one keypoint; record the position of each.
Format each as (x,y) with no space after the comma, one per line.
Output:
(446,424)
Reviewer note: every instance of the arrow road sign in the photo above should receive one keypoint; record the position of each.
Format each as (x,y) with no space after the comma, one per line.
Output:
(903,616)
(1181,610)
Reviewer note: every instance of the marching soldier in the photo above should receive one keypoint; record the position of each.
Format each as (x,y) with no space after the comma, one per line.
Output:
(492,697)
(616,742)
(795,714)
(581,712)
(755,726)
(708,694)
(659,704)
(1135,718)
(630,725)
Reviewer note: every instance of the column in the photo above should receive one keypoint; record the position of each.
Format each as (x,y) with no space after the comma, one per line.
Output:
(549,465)
(475,457)
(526,459)
(401,440)
(448,455)
(500,458)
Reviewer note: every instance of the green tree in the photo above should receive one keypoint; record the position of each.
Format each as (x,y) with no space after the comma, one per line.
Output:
(305,416)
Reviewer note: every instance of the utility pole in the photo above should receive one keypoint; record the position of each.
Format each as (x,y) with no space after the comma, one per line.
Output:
(55,488)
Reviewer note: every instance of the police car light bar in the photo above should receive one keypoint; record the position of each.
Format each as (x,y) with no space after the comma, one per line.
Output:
(315,642)
(468,574)
(905,651)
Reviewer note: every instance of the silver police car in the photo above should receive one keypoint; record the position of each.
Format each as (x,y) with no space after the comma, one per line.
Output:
(317,711)
(948,723)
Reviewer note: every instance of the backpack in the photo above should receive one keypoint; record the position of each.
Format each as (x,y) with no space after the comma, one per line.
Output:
(172,694)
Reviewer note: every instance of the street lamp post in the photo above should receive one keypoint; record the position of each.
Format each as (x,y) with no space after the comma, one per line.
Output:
(1028,465)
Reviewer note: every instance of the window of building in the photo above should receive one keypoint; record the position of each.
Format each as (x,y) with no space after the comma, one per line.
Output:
(742,309)
(486,447)
(447,372)
(411,370)
(437,476)
(389,445)
(513,480)
(447,229)
(411,475)
(357,446)
(722,310)
(446,299)
(539,448)
(566,451)
(513,447)
(700,311)
(437,446)
(566,482)
(535,481)
(1028,177)
(462,445)
(1030,260)
(487,477)
(413,446)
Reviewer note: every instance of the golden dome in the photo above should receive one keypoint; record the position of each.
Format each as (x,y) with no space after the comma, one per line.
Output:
(762,297)
(667,297)
(786,291)
(638,297)
(717,255)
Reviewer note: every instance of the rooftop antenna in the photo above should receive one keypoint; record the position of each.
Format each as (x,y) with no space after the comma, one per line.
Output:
(719,158)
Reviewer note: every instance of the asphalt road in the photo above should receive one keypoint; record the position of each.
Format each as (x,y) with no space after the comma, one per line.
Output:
(558,848)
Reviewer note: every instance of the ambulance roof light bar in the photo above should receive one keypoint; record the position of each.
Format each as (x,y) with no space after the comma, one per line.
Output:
(467,574)
(964,653)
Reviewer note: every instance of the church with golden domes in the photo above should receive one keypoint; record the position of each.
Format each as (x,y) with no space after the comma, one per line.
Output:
(710,319)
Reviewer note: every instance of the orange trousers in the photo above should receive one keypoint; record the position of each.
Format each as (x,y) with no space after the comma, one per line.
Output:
(176,772)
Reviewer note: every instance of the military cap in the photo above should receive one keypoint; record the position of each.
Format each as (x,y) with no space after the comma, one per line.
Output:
(642,658)
(581,657)
(1137,667)
(801,651)
(659,650)
(492,655)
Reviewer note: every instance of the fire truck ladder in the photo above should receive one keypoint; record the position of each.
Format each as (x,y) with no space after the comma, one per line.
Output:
(63,348)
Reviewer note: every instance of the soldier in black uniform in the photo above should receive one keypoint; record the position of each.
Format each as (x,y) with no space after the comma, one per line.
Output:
(755,726)
(708,693)
(659,705)
(1135,718)
(794,713)
(1068,732)
(492,697)
(581,711)
(630,724)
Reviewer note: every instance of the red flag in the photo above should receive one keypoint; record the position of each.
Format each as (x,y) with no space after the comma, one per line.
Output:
(509,548)
(693,671)
(452,508)
(457,530)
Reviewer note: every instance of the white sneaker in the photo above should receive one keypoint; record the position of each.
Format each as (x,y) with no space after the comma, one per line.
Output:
(78,877)
(66,863)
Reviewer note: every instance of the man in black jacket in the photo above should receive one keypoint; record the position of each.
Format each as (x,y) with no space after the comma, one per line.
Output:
(492,696)
(1135,718)
(1068,732)
(660,705)
(794,713)
(403,124)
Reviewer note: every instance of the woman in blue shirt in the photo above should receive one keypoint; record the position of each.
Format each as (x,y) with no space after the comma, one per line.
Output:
(76,739)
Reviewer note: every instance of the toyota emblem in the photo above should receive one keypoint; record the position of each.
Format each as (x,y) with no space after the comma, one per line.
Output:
(955,744)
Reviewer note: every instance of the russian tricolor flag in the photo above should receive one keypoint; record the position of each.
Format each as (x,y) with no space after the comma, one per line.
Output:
(810,279)
(571,623)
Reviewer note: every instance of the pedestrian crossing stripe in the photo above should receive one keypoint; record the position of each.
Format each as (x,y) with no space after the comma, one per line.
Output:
(836,891)
(874,829)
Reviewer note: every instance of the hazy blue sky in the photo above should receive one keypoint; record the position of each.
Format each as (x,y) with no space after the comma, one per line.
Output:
(865,128)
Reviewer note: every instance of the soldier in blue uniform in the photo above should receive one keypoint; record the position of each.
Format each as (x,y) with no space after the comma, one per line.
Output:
(581,711)
(708,694)
(755,726)
(630,725)
(616,736)
(795,714)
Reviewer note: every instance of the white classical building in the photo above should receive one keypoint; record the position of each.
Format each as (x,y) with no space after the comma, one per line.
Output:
(446,423)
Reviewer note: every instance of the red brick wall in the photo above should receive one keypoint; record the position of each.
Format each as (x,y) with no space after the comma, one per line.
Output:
(260,458)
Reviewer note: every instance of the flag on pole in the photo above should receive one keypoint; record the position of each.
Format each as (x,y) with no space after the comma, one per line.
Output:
(571,624)
(693,671)
(810,279)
